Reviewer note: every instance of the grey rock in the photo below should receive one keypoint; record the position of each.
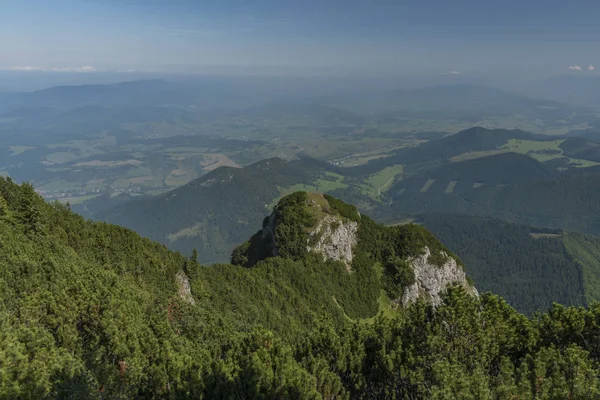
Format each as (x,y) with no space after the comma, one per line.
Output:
(337,239)
(431,281)
(183,287)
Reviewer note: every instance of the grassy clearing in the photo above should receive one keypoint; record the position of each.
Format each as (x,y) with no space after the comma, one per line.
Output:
(181,177)
(19,149)
(349,151)
(325,185)
(362,160)
(525,146)
(124,183)
(586,250)
(78,199)
(94,184)
(378,183)
(545,235)
(381,179)
(582,163)
(58,184)
(108,164)
(62,157)
(364,157)
(563,130)
(386,307)
(541,151)
(186,232)
(214,161)
(80,147)
(472,155)
(187,151)
(450,187)
(427,185)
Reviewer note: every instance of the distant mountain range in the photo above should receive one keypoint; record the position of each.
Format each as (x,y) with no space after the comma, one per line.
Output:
(460,100)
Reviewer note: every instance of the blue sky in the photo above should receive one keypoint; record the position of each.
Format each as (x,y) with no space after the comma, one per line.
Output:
(351,37)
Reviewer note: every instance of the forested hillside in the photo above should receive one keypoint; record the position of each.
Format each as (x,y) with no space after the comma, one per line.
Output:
(568,202)
(440,151)
(469,176)
(530,267)
(217,211)
(91,310)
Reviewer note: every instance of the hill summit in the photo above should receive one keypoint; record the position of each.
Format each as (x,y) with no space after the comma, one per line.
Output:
(415,264)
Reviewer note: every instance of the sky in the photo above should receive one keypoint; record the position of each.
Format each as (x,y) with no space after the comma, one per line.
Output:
(529,38)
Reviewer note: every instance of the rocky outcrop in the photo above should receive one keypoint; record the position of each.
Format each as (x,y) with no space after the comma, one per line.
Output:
(333,236)
(183,288)
(431,280)
(336,239)
(329,228)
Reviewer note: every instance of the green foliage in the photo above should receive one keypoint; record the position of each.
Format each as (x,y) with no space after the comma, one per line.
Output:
(403,241)
(91,310)
(467,349)
(345,210)
(586,251)
(581,148)
(398,275)
(292,219)
(530,267)
(239,255)
(567,202)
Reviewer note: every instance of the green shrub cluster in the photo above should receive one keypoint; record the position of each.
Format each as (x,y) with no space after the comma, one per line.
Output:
(345,210)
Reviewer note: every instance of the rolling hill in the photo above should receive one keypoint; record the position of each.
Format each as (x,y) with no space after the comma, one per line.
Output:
(141,93)
(440,151)
(559,152)
(501,169)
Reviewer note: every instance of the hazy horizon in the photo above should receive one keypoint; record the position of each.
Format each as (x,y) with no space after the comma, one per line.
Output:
(524,40)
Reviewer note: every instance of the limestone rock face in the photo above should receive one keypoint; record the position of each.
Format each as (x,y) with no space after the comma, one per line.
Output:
(431,280)
(336,239)
(183,287)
